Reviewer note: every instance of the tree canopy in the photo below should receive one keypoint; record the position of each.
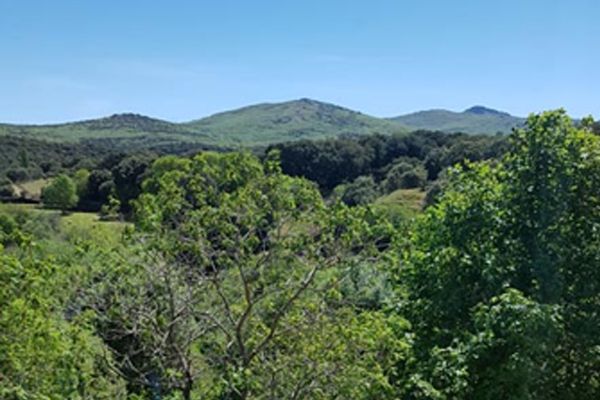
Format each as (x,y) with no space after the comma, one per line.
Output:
(234,280)
(503,284)
(61,193)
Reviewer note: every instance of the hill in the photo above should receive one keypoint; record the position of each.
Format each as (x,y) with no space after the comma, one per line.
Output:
(475,120)
(292,120)
(125,126)
(260,124)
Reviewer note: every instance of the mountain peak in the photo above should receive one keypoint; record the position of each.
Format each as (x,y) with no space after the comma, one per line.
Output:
(129,118)
(130,121)
(475,120)
(306,100)
(481,110)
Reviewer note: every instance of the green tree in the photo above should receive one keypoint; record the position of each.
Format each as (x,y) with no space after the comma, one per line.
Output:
(363,190)
(61,193)
(81,179)
(6,189)
(240,269)
(503,279)
(128,176)
(42,354)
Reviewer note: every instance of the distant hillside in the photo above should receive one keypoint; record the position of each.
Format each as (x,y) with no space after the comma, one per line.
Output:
(260,124)
(475,120)
(118,126)
(298,119)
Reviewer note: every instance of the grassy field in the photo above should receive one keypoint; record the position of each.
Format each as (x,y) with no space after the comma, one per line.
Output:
(403,202)
(88,226)
(31,190)
(52,224)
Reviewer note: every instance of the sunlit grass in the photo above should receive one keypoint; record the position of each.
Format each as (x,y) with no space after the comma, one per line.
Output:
(402,202)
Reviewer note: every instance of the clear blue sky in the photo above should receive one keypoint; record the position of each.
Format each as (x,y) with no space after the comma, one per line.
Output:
(180,60)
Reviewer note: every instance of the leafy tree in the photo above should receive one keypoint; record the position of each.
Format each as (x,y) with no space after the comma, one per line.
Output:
(363,190)
(81,179)
(128,176)
(42,354)
(100,186)
(17,174)
(61,193)
(503,278)
(110,210)
(8,226)
(239,269)
(405,175)
(6,188)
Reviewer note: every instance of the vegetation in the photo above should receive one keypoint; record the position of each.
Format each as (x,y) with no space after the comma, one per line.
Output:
(393,162)
(475,120)
(503,280)
(405,203)
(257,125)
(61,193)
(239,280)
(261,124)
(264,124)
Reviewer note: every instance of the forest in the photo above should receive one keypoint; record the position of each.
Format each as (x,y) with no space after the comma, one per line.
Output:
(304,269)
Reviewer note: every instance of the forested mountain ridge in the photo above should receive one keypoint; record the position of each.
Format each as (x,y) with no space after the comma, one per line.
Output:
(267,123)
(260,124)
(474,120)
(298,119)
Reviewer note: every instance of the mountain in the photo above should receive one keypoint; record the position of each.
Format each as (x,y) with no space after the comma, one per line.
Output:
(292,120)
(260,124)
(474,120)
(115,126)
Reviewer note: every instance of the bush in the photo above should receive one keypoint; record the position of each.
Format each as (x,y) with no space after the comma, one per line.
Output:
(7,190)
(405,173)
(362,190)
(415,178)
(8,226)
(61,193)
(17,174)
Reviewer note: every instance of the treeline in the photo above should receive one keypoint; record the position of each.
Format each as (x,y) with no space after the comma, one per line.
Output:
(238,281)
(382,164)
(360,168)
(106,162)
(23,159)
(109,172)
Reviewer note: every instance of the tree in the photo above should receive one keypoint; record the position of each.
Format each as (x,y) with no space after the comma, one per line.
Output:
(61,193)
(44,354)
(100,186)
(17,174)
(504,276)
(81,179)
(128,175)
(7,190)
(8,226)
(361,191)
(404,175)
(237,284)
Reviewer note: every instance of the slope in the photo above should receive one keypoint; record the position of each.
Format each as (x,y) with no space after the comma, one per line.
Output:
(475,120)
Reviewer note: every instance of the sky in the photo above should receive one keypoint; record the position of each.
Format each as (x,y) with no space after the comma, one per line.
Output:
(182,60)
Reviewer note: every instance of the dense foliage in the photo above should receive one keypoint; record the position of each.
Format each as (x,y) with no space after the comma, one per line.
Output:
(397,161)
(503,281)
(238,281)
(61,193)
